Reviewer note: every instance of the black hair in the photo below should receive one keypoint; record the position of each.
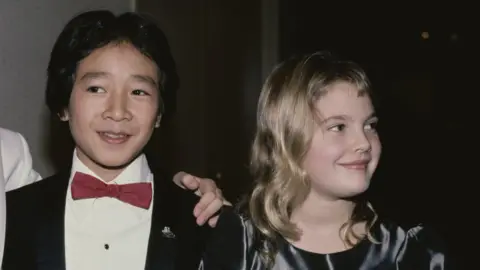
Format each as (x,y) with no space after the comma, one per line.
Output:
(92,30)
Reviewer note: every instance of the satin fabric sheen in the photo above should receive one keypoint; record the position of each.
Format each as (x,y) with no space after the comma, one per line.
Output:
(232,248)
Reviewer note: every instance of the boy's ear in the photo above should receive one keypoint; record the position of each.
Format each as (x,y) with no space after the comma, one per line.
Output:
(64,116)
(157,122)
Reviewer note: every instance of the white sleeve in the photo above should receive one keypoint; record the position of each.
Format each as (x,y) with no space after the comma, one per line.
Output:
(17,160)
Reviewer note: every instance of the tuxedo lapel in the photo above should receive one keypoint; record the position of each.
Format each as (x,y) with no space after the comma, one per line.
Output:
(50,238)
(162,245)
(176,241)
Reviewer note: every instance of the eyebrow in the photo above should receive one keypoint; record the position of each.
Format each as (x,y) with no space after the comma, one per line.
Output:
(346,117)
(146,79)
(94,75)
(100,74)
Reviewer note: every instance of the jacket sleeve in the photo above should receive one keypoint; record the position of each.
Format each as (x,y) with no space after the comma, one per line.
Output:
(230,244)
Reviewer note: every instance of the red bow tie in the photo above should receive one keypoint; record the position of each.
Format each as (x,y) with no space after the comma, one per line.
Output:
(85,186)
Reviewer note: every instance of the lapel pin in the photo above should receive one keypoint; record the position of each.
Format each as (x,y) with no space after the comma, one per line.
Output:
(167,232)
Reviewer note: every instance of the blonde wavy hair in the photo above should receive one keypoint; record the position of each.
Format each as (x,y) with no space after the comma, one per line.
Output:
(286,120)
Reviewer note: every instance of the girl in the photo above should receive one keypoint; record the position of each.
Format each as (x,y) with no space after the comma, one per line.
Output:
(315,150)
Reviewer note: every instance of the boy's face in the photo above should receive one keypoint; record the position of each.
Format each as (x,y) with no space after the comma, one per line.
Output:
(113,107)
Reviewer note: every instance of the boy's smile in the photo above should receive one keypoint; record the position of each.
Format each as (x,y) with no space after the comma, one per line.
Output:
(114,137)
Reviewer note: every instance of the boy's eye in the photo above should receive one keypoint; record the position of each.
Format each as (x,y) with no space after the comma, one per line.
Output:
(95,89)
(139,92)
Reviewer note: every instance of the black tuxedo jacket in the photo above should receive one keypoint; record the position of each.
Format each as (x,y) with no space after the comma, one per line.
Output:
(36,217)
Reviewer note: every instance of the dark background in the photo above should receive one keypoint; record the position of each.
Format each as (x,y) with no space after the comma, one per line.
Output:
(427,89)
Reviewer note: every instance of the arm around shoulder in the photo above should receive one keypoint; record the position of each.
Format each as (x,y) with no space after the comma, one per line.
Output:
(17,160)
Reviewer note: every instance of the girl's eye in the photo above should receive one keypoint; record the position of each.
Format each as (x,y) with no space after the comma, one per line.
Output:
(371,126)
(337,128)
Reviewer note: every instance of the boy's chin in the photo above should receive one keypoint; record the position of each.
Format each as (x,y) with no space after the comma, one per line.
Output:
(114,163)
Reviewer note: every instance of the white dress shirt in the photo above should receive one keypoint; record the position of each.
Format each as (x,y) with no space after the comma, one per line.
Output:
(106,233)
(15,171)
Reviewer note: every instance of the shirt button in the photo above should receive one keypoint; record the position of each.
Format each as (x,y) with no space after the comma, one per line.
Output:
(106,246)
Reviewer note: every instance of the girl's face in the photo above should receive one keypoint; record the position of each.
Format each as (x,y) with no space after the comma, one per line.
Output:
(345,147)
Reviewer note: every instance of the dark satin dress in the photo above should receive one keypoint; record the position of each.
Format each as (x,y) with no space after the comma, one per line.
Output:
(232,247)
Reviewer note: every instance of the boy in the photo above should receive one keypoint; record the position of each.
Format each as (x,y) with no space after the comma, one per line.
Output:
(112,78)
